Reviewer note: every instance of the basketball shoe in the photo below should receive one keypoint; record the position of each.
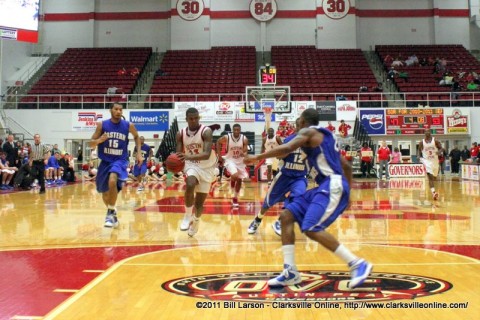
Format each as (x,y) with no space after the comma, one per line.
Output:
(193,227)
(290,276)
(235,202)
(253,227)
(360,270)
(111,220)
(185,222)
(277,227)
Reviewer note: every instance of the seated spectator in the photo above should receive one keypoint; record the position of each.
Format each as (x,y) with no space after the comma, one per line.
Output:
(53,170)
(341,97)
(403,75)
(388,59)
(24,178)
(91,172)
(160,73)
(68,165)
(7,173)
(134,72)
(456,87)
(423,62)
(397,63)
(447,80)
(411,61)
(122,72)
(391,74)
(472,86)
(113,90)
(363,88)
(378,88)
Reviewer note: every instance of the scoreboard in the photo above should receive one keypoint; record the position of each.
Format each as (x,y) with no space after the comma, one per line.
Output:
(267,75)
(414,121)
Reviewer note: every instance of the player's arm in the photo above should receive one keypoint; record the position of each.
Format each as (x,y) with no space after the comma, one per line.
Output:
(207,147)
(264,140)
(98,137)
(179,142)
(245,146)
(138,144)
(279,140)
(438,144)
(219,144)
(283,150)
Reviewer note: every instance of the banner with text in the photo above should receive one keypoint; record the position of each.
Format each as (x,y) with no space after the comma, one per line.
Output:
(373,120)
(457,120)
(85,121)
(346,110)
(150,120)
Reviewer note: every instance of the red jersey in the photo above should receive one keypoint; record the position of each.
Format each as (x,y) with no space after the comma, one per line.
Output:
(343,153)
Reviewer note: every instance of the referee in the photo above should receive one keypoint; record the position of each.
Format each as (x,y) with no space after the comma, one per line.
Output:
(38,156)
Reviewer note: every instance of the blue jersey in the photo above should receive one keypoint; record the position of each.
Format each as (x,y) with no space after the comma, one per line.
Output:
(294,164)
(325,159)
(145,152)
(52,162)
(116,146)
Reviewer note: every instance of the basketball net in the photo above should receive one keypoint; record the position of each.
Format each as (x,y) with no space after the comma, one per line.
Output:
(267,111)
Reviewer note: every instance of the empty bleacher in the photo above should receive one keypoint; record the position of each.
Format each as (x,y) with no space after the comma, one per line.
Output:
(320,72)
(205,75)
(87,71)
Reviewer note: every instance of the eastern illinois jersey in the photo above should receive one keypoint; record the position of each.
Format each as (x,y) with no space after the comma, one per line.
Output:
(193,144)
(325,158)
(116,146)
(294,165)
(145,149)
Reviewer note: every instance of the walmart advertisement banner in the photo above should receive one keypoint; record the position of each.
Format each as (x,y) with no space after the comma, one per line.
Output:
(373,120)
(150,120)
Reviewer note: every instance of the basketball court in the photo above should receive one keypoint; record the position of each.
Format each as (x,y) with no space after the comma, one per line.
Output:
(59,262)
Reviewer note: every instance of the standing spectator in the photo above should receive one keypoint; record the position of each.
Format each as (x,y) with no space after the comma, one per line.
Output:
(38,157)
(455,156)
(11,152)
(343,128)
(441,160)
(80,155)
(366,157)
(331,127)
(465,153)
(347,154)
(396,156)
(383,157)
(474,151)
(55,149)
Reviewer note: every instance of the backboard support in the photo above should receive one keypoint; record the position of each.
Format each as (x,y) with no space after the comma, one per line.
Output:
(275,97)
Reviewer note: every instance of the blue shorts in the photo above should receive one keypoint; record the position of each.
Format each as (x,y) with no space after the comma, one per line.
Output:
(319,207)
(105,168)
(282,184)
(138,170)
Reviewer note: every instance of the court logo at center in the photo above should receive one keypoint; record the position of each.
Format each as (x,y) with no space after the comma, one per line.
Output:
(315,286)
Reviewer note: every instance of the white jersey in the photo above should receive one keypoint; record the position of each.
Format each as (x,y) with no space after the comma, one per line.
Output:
(430,157)
(271,143)
(193,144)
(235,149)
(430,150)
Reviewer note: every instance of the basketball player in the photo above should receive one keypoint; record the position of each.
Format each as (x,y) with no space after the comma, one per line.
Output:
(111,137)
(291,179)
(430,149)
(236,147)
(139,170)
(320,206)
(194,146)
(270,142)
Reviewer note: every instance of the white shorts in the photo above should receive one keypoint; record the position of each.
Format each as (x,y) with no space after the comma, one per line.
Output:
(431,167)
(204,177)
(8,171)
(272,162)
(233,168)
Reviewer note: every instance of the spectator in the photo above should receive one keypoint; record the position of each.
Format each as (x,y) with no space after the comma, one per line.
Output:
(397,63)
(55,149)
(474,151)
(331,127)
(455,156)
(134,72)
(396,156)
(11,152)
(68,165)
(7,172)
(343,129)
(383,158)
(411,61)
(378,88)
(391,74)
(80,155)
(363,88)
(465,154)
(366,157)
(113,90)
(403,75)
(472,86)
(122,71)
(341,97)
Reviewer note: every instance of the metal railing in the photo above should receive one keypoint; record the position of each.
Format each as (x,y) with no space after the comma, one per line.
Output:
(159,101)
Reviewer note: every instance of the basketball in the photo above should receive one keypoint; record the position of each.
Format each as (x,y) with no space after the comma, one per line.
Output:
(174,164)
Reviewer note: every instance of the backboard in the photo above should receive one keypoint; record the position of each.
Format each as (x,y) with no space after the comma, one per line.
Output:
(275,97)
